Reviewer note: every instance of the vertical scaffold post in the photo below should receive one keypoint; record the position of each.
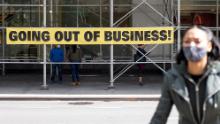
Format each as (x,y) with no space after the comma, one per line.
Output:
(3,39)
(51,25)
(217,19)
(178,26)
(111,46)
(45,86)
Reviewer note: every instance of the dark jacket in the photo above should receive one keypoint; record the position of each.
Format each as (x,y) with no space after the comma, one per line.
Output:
(174,91)
(74,56)
(56,55)
(139,56)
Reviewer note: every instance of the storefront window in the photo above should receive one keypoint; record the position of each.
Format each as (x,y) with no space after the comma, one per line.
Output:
(21,13)
(79,13)
(198,12)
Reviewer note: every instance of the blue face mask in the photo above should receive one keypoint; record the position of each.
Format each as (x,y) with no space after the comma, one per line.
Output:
(193,53)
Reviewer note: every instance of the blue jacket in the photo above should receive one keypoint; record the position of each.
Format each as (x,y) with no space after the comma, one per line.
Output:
(56,55)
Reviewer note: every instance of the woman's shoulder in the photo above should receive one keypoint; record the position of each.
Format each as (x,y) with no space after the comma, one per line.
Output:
(176,69)
(215,65)
(176,72)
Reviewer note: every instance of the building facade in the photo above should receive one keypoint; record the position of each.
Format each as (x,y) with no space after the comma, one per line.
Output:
(97,13)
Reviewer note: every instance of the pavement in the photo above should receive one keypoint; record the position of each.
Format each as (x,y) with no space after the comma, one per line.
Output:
(95,87)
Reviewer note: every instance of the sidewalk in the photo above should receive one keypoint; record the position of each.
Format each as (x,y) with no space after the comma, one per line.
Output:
(28,86)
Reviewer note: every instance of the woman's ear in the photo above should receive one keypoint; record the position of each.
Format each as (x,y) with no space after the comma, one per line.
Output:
(209,47)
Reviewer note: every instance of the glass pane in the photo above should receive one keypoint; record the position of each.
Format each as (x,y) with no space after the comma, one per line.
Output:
(23,1)
(105,17)
(62,2)
(122,52)
(122,1)
(119,12)
(89,16)
(23,16)
(63,16)
(105,2)
(89,2)
(198,12)
(68,2)
(198,2)
(23,52)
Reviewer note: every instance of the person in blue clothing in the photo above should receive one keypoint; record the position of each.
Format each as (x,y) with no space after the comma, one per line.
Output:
(56,55)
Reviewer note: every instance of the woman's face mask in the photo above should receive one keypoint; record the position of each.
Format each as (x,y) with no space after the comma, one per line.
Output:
(196,45)
(193,53)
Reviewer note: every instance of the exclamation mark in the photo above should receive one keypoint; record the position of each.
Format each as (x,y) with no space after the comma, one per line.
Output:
(169,34)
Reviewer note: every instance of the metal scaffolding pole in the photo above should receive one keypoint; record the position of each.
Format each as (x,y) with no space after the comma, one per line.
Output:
(45,86)
(51,25)
(3,39)
(132,64)
(3,52)
(217,19)
(77,14)
(171,46)
(178,26)
(111,61)
(167,19)
(111,46)
(128,13)
(100,25)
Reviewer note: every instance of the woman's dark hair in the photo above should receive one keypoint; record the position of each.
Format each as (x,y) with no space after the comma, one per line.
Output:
(214,54)
(73,47)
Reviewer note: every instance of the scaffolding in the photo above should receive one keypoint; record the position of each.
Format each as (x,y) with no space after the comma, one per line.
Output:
(172,12)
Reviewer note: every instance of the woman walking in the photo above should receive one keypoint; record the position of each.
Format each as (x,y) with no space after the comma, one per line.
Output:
(193,84)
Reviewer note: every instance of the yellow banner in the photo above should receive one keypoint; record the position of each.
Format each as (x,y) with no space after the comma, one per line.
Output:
(90,36)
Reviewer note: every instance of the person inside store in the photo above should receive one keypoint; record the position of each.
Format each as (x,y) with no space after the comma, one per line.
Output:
(56,55)
(74,55)
(193,84)
(139,57)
